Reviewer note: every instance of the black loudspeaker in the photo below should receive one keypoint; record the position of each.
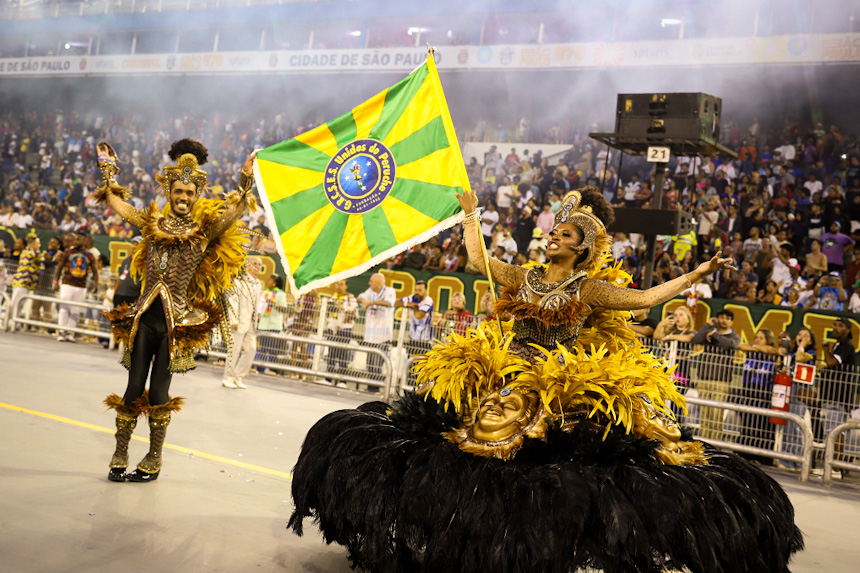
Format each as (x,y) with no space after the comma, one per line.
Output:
(651,221)
(669,116)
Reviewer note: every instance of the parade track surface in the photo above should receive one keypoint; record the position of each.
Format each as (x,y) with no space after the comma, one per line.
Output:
(222,500)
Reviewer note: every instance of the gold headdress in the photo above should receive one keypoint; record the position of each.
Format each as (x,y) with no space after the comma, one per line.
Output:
(187,170)
(31,236)
(189,155)
(584,219)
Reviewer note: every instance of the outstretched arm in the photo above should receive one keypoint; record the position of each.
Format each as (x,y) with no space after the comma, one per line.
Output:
(597,293)
(111,192)
(238,201)
(504,273)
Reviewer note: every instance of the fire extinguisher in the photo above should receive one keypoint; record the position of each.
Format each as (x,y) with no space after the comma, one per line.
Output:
(781,398)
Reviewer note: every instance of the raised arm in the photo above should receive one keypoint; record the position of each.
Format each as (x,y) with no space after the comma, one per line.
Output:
(597,293)
(111,192)
(238,202)
(504,273)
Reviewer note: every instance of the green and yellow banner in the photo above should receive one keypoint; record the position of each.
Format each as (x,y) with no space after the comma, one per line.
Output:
(361,188)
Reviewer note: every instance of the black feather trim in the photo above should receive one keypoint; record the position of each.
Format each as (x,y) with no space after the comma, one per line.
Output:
(182,146)
(401,498)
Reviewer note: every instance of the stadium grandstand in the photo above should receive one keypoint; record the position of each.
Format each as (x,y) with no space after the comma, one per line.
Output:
(526,84)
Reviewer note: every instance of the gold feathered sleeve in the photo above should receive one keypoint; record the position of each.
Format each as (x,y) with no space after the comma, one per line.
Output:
(115,196)
(238,202)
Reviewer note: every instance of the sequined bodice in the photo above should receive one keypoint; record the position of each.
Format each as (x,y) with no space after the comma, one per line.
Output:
(172,265)
(556,297)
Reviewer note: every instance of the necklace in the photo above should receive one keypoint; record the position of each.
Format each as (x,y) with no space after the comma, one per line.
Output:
(537,286)
(177,225)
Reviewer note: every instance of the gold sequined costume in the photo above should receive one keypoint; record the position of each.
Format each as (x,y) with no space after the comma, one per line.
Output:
(185,262)
(543,445)
(190,252)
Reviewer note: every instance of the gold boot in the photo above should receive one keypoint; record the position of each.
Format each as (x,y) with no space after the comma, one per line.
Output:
(126,420)
(159,418)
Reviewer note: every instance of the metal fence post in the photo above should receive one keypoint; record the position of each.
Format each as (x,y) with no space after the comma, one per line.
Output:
(399,363)
(321,323)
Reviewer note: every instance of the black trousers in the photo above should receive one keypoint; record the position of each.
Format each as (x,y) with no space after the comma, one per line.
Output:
(374,361)
(339,358)
(151,348)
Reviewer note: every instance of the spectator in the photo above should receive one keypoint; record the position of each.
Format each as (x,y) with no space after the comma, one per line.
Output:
(835,245)
(854,301)
(523,229)
(642,325)
(752,245)
(378,304)
(126,289)
(794,278)
(816,261)
(719,342)
(435,260)
(546,219)
(73,267)
(829,293)
(342,308)
(456,319)
(489,219)
(273,307)
(415,259)
(420,306)
(619,245)
(679,327)
(757,389)
(243,312)
(742,289)
(31,265)
(770,293)
(763,262)
(838,388)
(506,194)
(304,315)
(508,245)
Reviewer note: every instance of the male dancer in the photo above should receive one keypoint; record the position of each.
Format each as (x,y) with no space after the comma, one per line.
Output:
(190,251)
(73,266)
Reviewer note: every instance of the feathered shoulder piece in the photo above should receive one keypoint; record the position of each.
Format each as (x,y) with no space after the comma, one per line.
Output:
(225,253)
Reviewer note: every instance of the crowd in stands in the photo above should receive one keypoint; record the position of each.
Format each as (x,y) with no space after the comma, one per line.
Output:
(787,209)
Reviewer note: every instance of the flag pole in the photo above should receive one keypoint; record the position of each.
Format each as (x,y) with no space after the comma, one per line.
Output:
(449,124)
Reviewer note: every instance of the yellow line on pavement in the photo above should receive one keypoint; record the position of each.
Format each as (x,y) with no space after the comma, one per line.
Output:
(195,453)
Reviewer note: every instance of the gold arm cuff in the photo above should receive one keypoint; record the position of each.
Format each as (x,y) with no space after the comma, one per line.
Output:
(246,182)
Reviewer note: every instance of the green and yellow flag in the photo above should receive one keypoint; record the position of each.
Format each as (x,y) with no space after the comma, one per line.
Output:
(361,188)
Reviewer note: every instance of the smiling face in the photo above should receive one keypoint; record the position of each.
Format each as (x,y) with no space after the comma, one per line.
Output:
(182,198)
(564,242)
(503,414)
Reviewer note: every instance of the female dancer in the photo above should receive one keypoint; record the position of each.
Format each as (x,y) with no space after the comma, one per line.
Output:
(543,445)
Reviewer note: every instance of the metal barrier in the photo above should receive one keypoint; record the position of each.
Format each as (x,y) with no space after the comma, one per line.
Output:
(388,369)
(830,451)
(5,310)
(805,458)
(14,319)
(307,327)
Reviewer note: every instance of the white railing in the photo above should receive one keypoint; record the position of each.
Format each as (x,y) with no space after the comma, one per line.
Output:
(830,451)
(302,348)
(15,319)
